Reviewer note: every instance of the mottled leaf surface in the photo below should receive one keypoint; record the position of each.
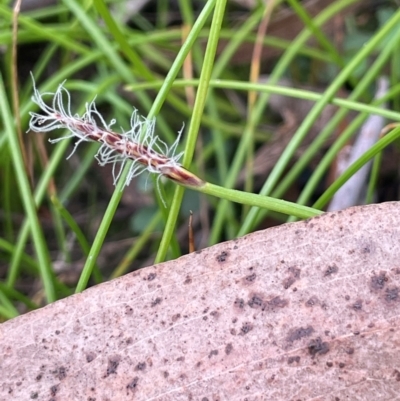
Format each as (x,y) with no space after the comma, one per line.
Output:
(304,311)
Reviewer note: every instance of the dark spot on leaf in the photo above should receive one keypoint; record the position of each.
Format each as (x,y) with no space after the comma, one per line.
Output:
(329,364)
(38,377)
(294,271)
(341,365)
(180,359)
(396,375)
(277,302)
(128,310)
(188,280)
(34,395)
(141,366)
(151,276)
(57,332)
(287,282)
(131,386)
(358,305)
(228,348)
(157,301)
(53,390)
(392,294)
(112,367)
(255,302)
(60,373)
(246,327)
(333,269)
(251,278)
(204,399)
(222,257)
(293,359)
(294,275)
(212,353)
(90,356)
(378,281)
(366,248)
(299,333)
(312,301)
(317,346)
(239,303)
(350,351)
(176,317)
(215,314)
(165,374)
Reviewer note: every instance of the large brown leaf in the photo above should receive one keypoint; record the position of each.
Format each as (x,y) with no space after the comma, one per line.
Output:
(304,311)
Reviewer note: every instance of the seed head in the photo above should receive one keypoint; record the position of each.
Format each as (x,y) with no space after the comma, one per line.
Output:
(145,150)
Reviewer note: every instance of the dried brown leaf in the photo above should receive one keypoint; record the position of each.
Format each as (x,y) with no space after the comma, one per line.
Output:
(304,311)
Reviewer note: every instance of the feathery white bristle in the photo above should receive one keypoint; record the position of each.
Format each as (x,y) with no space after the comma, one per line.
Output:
(141,133)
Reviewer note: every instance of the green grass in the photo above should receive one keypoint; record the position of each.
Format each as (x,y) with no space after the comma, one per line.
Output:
(69,214)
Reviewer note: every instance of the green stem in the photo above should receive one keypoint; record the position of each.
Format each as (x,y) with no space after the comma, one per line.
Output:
(265,202)
(39,241)
(369,154)
(194,124)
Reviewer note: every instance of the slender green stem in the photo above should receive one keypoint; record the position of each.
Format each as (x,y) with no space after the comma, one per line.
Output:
(317,32)
(194,124)
(369,154)
(133,57)
(266,202)
(41,249)
(373,181)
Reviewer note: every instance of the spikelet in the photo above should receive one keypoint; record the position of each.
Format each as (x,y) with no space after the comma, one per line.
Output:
(140,145)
